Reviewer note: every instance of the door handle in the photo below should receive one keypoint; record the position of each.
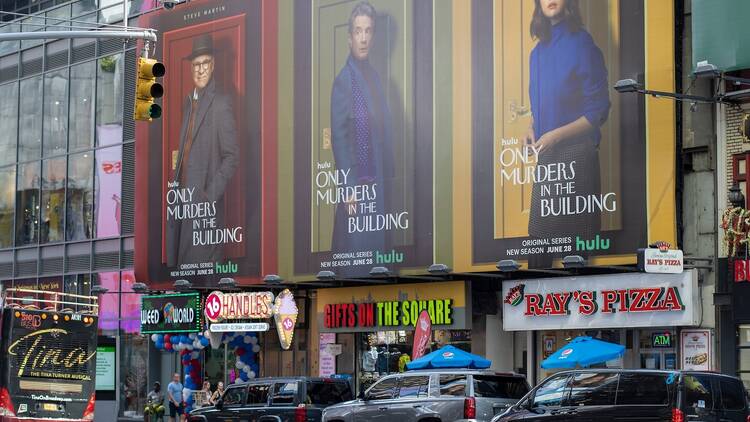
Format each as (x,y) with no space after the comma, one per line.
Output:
(416,406)
(383,408)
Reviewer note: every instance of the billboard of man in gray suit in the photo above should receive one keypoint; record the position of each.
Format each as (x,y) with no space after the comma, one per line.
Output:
(207,160)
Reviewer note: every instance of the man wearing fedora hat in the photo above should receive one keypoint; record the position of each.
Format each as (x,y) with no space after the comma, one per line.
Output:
(207,158)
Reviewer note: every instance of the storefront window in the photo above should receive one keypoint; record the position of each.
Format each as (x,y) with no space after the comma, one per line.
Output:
(30,129)
(27,203)
(130,305)
(109,303)
(79,284)
(7,205)
(80,204)
(108,187)
(109,92)
(134,370)
(82,106)
(53,200)
(9,123)
(55,112)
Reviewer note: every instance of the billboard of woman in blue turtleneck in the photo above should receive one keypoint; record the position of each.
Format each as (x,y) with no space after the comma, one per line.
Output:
(569,97)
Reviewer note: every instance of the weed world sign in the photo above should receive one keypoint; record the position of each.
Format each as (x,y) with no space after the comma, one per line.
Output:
(177,313)
(621,300)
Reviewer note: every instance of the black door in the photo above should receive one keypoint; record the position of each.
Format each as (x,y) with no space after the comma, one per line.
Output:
(699,400)
(733,404)
(591,396)
(643,396)
(547,403)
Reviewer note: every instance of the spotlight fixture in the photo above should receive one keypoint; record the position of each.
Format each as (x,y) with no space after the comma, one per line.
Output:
(139,287)
(627,85)
(439,269)
(227,283)
(272,279)
(99,290)
(573,261)
(182,285)
(508,265)
(326,276)
(380,272)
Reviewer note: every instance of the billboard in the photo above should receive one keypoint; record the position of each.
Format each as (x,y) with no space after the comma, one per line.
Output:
(364,161)
(205,171)
(561,163)
(176,313)
(399,134)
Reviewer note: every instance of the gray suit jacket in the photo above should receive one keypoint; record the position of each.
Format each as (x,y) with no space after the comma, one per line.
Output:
(213,160)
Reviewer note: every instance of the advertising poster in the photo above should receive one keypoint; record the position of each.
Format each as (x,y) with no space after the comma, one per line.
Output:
(363,138)
(105,368)
(176,313)
(200,169)
(327,359)
(560,160)
(696,350)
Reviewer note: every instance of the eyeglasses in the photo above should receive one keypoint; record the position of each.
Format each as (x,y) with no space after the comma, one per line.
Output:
(202,65)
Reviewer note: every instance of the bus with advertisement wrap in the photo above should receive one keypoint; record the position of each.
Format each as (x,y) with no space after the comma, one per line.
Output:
(48,344)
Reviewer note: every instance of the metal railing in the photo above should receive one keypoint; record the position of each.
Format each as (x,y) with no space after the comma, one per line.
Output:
(50,301)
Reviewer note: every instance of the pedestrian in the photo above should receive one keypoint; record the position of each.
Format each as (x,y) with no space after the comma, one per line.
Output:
(203,397)
(217,394)
(155,403)
(176,401)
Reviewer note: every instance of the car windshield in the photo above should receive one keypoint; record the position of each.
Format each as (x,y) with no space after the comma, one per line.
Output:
(502,387)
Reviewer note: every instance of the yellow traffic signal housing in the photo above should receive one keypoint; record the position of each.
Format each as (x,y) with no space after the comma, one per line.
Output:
(146,89)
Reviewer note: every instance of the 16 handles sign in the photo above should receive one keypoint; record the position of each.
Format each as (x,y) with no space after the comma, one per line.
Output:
(628,300)
(254,305)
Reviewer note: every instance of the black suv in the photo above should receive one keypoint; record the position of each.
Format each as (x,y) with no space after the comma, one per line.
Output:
(633,395)
(297,399)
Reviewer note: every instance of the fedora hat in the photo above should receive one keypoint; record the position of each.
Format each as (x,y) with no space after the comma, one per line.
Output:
(203,44)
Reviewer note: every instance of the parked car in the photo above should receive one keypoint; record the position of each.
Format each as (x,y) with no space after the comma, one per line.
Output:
(297,399)
(433,395)
(633,395)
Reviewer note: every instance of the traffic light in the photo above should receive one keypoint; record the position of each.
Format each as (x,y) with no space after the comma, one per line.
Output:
(146,89)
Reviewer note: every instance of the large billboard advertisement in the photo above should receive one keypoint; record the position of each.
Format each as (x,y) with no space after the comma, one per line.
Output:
(404,133)
(560,160)
(363,191)
(201,170)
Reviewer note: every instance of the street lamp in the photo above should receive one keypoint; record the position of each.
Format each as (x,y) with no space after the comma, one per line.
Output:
(735,196)
(380,272)
(272,279)
(326,276)
(573,261)
(139,287)
(227,283)
(99,290)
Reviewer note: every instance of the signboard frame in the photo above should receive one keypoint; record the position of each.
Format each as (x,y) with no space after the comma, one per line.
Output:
(195,326)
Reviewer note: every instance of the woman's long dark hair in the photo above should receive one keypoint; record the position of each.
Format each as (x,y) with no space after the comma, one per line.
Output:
(541,25)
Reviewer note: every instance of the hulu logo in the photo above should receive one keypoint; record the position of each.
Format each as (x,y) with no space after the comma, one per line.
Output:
(391,257)
(228,268)
(595,244)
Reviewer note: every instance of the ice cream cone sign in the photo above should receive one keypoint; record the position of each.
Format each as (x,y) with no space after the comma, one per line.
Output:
(285,314)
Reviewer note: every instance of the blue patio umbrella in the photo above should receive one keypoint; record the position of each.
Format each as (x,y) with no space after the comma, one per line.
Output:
(583,351)
(449,357)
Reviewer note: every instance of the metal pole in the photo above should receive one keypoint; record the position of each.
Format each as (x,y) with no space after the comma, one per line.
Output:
(15,36)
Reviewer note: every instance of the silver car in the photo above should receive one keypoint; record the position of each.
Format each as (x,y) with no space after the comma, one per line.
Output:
(433,395)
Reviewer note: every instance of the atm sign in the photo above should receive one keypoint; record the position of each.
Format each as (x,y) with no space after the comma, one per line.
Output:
(661,340)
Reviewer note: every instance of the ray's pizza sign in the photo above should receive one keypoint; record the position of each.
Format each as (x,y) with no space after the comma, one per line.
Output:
(632,300)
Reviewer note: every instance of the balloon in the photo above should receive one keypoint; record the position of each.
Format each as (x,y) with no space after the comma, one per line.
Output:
(239,364)
(239,352)
(256,348)
(154,337)
(195,355)
(247,339)
(253,340)
(168,346)
(204,342)
(251,374)
(192,336)
(167,338)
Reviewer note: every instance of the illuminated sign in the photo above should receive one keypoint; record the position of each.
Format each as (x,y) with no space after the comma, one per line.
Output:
(246,305)
(177,313)
(661,340)
(608,301)
(387,314)
(37,355)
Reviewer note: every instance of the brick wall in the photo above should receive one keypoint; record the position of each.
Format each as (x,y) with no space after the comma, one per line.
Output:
(734,139)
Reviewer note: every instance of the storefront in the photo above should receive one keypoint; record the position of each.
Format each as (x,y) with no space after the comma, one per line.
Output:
(367,332)
(647,313)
